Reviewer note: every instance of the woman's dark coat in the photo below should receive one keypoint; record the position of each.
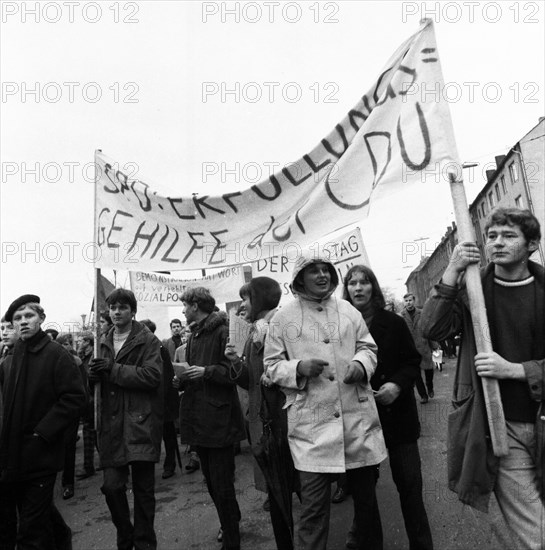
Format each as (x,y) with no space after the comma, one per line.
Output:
(210,414)
(398,361)
(131,400)
(43,394)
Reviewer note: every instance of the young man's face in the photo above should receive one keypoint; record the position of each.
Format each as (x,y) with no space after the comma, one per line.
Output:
(85,345)
(507,246)
(317,279)
(409,303)
(190,312)
(176,329)
(27,322)
(104,326)
(121,315)
(9,334)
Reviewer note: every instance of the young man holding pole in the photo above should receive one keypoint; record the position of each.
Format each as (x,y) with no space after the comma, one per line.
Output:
(129,370)
(513,288)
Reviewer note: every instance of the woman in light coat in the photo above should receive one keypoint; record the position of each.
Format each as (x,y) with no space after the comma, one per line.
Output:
(320,352)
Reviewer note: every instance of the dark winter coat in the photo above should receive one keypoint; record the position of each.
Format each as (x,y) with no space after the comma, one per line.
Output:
(210,414)
(42,394)
(398,361)
(131,400)
(472,467)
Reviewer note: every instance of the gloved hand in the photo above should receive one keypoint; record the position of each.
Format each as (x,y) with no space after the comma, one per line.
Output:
(99,368)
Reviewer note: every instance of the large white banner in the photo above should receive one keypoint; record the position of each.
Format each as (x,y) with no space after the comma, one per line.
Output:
(399,133)
(344,251)
(167,290)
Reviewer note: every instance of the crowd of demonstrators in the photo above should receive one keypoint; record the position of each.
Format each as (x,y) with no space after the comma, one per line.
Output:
(331,387)
(514,296)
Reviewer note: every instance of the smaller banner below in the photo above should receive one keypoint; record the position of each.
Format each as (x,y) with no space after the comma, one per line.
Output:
(344,251)
(161,289)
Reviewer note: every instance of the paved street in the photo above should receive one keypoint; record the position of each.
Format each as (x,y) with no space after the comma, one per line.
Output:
(186,518)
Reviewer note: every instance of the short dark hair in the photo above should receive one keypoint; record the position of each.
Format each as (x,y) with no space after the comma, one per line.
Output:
(88,336)
(106,316)
(528,223)
(54,333)
(200,296)
(150,324)
(172,322)
(122,296)
(65,338)
(408,295)
(377,298)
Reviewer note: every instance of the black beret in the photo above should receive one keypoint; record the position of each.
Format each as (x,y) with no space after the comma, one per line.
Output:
(21,301)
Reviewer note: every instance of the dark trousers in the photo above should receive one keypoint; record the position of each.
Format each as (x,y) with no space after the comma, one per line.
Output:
(32,500)
(70,439)
(89,443)
(420,388)
(141,535)
(407,475)
(316,498)
(169,439)
(218,466)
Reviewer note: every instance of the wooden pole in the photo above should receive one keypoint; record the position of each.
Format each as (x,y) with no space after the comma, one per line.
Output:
(97,404)
(491,389)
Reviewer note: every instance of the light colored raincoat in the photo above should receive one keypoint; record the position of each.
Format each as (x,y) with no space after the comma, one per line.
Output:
(332,426)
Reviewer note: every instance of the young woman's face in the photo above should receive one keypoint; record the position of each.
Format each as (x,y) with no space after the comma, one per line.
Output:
(246,308)
(359,289)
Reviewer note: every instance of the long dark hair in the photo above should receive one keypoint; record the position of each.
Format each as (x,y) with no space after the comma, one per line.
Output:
(377,298)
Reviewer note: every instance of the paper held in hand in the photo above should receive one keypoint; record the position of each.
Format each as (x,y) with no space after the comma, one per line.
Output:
(238,332)
(180,368)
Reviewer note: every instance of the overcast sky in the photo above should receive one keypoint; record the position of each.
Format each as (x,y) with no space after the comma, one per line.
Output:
(143,81)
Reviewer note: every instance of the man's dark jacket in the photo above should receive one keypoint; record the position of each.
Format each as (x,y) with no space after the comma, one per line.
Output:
(43,394)
(210,413)
(131,425)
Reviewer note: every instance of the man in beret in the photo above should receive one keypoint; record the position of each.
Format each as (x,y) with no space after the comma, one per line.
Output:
(32,437)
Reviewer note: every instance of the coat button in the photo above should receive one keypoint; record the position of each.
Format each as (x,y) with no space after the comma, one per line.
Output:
(543,417)
(112,393)
(332,378)
(336,415)
(326,340)
(320,308)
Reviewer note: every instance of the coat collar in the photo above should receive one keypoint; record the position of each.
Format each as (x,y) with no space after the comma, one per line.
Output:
(208,324)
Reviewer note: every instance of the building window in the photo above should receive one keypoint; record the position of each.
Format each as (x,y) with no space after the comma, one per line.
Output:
(503,188)
(491,200)
(483,208)
(518,202)
(513,171)
(497,189)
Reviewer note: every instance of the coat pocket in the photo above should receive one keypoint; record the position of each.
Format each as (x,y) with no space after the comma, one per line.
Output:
(140,427)
(300,420)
